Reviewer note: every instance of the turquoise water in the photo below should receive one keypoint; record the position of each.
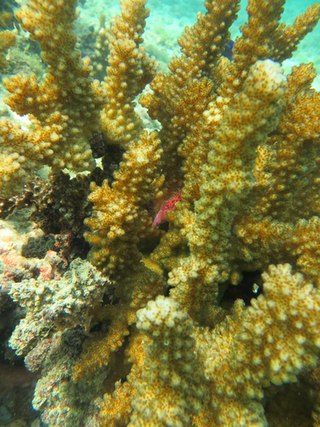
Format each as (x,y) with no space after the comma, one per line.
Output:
(168,19)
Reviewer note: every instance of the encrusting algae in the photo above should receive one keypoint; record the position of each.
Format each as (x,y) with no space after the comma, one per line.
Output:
(161,340)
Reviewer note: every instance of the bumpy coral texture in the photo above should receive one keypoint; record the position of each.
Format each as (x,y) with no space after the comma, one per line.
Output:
(63,109)
(71,298)
(164,341)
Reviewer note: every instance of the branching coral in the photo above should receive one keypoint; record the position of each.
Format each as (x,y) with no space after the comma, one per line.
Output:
(225,155)
(268,343)
(236,362)
(240,141)
(63,109)
(121,219)
(129,70)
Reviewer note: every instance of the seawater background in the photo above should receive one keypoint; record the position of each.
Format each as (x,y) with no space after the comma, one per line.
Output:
(168,19)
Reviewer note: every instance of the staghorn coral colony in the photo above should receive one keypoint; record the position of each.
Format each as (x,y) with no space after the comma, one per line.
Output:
(213,318)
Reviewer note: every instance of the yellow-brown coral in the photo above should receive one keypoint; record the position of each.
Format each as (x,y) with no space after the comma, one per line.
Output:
(63,109)
(235,136)
(129,70)
(241,141)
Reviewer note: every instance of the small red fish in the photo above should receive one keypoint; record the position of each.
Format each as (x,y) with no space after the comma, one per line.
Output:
(168,205)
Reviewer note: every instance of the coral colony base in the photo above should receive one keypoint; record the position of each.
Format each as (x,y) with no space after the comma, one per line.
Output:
(209,314)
